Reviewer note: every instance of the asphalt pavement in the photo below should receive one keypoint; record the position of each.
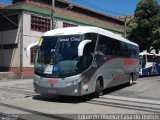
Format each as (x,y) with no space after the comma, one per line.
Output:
(17,97)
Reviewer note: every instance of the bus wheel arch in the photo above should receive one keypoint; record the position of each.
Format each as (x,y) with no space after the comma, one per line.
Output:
(98,87)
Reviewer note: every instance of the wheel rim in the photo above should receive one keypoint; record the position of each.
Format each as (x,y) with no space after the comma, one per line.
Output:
(131,80)
(97,91)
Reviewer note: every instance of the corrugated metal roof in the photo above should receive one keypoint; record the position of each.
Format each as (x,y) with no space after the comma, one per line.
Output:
(66,15)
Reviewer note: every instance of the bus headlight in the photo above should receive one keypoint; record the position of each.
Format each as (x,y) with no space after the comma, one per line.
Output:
(36,81)
(72,82)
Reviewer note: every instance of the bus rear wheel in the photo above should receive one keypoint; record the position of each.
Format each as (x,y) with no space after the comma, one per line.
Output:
(149,73)
(98,89)
(131,80)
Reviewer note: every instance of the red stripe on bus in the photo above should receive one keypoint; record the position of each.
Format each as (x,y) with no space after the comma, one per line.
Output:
(135,61)
(128,61)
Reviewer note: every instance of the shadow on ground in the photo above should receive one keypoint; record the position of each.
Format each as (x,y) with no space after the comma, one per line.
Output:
(74,100)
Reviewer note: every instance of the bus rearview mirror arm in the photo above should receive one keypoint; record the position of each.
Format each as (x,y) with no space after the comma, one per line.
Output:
(29,48)
(81,47)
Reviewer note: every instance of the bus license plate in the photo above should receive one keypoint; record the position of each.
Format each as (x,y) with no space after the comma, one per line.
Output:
(51,91)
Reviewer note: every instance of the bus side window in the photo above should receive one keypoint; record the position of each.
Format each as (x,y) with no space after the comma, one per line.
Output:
(87,55)
(143,61)
(102,46)
(109,46)
(93,37)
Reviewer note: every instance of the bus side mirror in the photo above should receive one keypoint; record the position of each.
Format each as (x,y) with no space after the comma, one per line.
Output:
(28,51)
(81,47)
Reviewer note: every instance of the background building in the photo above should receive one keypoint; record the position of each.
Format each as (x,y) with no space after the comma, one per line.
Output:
(23,22)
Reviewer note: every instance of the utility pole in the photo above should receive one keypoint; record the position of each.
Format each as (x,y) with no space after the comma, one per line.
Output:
(125,26)
(54,20)
(21,47)
(52,14)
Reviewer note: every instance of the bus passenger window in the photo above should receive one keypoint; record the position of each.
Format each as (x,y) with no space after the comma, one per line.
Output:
(102,46)
(93,38)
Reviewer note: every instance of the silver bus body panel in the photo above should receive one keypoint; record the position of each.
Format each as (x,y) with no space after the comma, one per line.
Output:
(113,72)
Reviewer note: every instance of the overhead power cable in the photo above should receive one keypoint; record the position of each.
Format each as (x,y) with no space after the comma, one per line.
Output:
(94,7)
(85,3)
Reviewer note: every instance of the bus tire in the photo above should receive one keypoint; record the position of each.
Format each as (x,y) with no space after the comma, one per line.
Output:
(98,89)
(149,73)
(130,80)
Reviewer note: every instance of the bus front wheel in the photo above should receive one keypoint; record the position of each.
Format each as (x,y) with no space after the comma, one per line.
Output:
(98,89)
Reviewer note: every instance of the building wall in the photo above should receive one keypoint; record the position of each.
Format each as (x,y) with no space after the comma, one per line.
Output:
(29,37)
(9,53)
(0,51)
(10,57)
(9,36)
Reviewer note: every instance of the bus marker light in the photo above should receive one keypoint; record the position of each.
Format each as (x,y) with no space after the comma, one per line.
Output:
(41,40)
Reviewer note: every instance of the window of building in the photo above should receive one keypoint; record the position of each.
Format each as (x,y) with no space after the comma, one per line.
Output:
(5,24)
(33,54)
(65,24)
(40,24)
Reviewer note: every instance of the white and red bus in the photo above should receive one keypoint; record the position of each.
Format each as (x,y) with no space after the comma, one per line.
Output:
(76,61)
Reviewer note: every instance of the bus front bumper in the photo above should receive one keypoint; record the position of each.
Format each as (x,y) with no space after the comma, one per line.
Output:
(74,90)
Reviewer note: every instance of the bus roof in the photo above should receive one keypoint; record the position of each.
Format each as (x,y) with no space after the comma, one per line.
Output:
(86,29)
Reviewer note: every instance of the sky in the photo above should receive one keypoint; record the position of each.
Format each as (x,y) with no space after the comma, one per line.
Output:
(5,1)
(111,7)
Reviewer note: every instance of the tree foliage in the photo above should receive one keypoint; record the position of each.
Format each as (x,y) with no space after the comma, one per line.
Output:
(144,28)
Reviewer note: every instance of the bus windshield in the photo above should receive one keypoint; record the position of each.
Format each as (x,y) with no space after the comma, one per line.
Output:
(58,55)
(150,58)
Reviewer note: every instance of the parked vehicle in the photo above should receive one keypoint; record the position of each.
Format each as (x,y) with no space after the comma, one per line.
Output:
(149,64)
